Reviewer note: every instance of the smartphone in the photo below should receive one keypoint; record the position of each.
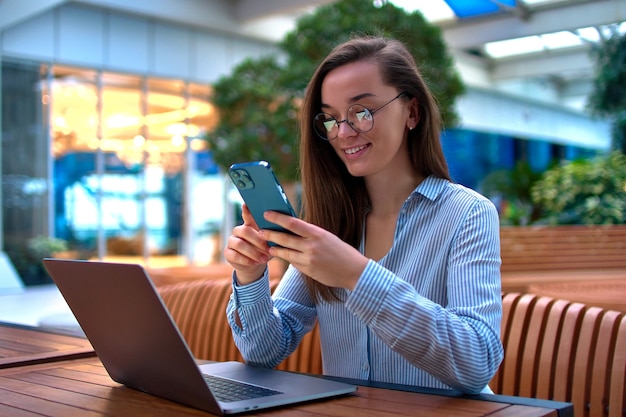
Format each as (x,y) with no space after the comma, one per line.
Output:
(261,191)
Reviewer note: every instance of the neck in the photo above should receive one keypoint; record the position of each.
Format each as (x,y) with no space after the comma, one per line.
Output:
(387,193)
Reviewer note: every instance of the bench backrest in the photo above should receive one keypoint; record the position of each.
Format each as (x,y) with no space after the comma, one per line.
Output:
(563,351)
(199,309)
(548,248)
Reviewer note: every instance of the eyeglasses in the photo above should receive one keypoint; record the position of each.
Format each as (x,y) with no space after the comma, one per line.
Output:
(359,118)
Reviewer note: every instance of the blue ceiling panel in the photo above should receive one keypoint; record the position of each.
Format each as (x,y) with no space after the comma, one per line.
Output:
(472,8)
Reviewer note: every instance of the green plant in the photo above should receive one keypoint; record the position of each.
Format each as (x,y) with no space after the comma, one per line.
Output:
(43,246)
(608,97)
(513,187)
(257,118)
(591,191)
(258,102)
(26,257)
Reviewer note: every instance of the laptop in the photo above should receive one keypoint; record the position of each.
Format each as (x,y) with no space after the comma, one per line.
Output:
(133,334)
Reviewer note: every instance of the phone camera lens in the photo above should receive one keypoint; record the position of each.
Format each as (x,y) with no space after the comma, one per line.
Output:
(235,175)
(241,184)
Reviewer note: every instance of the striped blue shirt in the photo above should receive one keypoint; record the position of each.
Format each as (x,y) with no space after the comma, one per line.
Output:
(426,314)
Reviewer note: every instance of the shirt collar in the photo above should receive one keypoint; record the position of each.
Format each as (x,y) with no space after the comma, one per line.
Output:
(431,187)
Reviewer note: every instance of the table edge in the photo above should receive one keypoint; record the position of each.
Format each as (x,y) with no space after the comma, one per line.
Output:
(563,409)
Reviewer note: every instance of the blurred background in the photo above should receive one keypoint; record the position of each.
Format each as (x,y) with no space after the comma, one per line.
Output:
(119,118)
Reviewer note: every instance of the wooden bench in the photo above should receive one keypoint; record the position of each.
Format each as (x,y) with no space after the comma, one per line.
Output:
(540,254)
(554,349)
(199,309)
(565,351)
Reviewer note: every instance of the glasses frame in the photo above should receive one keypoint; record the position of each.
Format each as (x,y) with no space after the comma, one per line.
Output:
(339,122)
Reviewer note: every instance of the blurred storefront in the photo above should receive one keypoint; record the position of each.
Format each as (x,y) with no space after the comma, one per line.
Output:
(106,161)
(103,138)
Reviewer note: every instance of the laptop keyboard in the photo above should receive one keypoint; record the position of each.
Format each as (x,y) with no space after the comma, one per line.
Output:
(227,390)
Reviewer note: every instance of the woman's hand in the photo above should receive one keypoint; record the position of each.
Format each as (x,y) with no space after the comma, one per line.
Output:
(246,250)
(315,251)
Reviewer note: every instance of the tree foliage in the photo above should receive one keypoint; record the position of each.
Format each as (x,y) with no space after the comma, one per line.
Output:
(608,98)
(591,191)
(257,117)
(258,102)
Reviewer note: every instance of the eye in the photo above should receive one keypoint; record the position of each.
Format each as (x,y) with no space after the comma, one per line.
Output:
(329,124)
(363,115)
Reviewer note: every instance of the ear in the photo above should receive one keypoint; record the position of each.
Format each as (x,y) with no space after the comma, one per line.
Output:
(413,118)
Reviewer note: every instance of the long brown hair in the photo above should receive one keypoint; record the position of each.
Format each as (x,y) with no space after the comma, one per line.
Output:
(331,197)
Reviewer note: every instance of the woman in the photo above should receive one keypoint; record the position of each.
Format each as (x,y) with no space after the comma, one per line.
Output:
(398,265)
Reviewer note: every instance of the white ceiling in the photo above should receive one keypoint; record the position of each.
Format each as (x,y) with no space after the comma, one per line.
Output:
(561,76)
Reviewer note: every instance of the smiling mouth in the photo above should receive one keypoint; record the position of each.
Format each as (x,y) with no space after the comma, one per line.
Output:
(355,149)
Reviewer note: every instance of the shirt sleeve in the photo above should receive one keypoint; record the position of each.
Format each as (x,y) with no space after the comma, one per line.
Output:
(458,343)
(270,329)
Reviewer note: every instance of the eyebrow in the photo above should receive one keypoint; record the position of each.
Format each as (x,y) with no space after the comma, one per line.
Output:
(352,100)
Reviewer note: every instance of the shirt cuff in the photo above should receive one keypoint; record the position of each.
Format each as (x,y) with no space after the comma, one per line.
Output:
(251,293)
(370,292)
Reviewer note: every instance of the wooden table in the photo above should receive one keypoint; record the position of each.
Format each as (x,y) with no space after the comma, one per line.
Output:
(23,345)
(81,387)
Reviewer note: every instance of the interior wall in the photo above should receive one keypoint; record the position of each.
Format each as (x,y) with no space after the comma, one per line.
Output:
(493,112)
(100,39)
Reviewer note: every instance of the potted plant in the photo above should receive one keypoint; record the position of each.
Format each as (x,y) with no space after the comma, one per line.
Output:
(26,258)
(591,191)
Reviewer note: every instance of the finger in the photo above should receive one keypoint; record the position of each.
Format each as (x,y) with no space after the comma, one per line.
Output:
(239,260)
(289,255)
(286,240)
(248,220)
(250,236)
(293,224)
(236,259)
(258,251)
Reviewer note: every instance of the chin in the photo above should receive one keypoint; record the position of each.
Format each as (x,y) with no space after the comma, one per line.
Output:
(356,171)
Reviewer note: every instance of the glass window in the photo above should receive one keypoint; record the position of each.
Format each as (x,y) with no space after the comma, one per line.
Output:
(25,190)
(142,128)
(114,165)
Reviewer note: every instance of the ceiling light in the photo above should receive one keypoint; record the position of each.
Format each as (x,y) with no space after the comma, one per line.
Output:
(516,46)
(138,141)
(562,39)
(177,141)
(590,34)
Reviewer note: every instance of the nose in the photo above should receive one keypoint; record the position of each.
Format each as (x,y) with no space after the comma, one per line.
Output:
(345,129)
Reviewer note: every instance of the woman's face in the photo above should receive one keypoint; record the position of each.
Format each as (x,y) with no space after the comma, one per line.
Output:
(383,148)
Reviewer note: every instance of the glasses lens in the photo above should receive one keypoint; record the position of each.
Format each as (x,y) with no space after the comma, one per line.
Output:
(325,126)
(360,118)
